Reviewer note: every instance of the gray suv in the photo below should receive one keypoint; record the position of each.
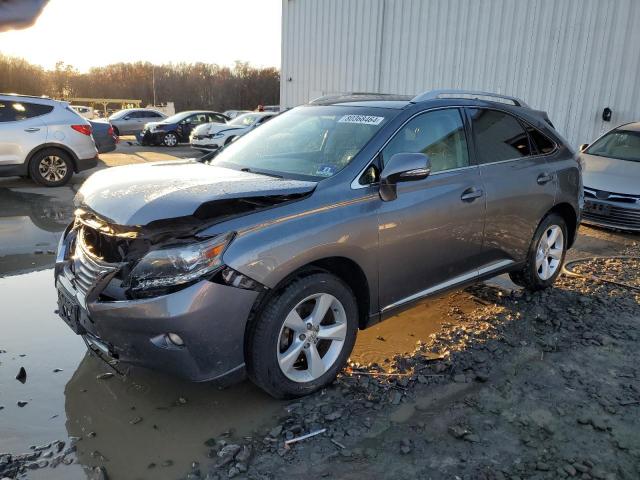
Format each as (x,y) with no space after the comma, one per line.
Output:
(331,217)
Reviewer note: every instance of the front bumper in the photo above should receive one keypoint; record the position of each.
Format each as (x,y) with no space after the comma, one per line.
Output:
(208,144)
(611,214)
(209,317)
(147,137)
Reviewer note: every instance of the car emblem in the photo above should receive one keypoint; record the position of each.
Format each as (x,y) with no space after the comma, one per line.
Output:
(602,195)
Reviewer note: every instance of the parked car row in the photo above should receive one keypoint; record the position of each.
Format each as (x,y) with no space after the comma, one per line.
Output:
(213,136)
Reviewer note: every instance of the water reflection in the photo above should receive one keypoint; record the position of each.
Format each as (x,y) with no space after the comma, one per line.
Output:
(30,226)
(128,423)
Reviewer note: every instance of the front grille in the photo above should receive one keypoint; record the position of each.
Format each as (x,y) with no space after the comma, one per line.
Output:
(613,215)
(88,271)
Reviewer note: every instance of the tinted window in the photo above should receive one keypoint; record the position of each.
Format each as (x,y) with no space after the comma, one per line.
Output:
(498,136)
(152,115)
(439,134)
(14,111)
(540,141)
(216,118)
(621,144)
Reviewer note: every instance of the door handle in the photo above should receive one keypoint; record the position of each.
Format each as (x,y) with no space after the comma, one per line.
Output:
(544,178)
(32,129)
(470,194)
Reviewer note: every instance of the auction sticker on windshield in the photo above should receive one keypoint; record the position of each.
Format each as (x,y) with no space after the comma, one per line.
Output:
(362,119)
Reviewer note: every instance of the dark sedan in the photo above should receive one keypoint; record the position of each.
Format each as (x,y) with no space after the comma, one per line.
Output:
(177,128)
(104,136)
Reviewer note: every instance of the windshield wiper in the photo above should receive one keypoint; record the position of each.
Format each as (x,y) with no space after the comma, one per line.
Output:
(248,170)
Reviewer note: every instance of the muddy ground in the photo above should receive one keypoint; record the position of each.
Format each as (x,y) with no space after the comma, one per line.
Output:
(488,382)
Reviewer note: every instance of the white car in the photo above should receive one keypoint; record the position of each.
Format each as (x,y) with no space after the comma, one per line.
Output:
(43,139)
(213,136)
(611,178)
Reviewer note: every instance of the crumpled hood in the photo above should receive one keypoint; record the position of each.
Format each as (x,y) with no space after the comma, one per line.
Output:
(136,195)
(611,174)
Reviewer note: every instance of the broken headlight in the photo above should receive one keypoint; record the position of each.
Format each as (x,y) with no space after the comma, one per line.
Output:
(170,267)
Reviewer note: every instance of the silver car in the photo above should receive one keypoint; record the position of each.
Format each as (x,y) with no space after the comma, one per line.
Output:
(43,139)
(131,121)
(612,179)
(327,219)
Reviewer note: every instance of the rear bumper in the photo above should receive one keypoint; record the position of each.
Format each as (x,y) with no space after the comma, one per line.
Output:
(209,317)
(87,163)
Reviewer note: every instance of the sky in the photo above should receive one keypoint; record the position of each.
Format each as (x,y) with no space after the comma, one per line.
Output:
(88,33)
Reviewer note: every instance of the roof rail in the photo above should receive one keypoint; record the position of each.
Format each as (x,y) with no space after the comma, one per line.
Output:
(435,94)
(347,95)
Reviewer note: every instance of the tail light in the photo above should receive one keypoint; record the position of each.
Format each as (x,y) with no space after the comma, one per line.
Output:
(111,132)
(83,129)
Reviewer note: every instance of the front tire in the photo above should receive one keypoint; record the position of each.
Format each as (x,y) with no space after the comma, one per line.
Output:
(546,255)
(303,336)
(170,139)
(51,167)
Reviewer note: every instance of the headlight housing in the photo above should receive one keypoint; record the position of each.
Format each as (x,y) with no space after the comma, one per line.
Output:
(218,135)
(179,265)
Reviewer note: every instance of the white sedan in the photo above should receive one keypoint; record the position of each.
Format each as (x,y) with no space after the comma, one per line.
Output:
(213,136)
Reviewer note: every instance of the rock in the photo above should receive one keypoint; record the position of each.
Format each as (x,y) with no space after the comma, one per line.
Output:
(460,378)
(167,463)
(472,437)
(543,467)
(135,421)
(104,376)
(275,431)
(233,472)
(458,431)
(22,375)
(333,416)
(57,370)
(182,401)
(231,449)
(581,468)
(405,449)
(98,473)
(396,398)
(21,403)
(570,470)
(244,454)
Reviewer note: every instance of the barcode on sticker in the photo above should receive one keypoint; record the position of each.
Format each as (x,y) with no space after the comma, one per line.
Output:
(362,119)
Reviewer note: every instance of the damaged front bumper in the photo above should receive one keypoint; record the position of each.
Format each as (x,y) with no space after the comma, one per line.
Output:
(208,317)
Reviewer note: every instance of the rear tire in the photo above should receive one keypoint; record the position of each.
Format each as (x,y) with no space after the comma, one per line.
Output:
(51,167)
(294,349)
(546,255)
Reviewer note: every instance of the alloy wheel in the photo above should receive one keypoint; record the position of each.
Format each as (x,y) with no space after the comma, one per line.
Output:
(170,140)
(312,337)
(52,168)
(549,252)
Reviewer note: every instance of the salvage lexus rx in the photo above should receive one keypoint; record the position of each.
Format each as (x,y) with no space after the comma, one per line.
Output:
(331,217)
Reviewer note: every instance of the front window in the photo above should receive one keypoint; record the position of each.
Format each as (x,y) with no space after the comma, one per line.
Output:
(619,144)
(313,142)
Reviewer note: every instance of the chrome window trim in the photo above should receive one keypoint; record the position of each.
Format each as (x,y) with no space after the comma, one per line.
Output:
(355,184)
(450,283)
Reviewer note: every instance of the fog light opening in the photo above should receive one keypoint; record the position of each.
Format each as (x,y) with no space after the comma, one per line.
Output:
(175,339)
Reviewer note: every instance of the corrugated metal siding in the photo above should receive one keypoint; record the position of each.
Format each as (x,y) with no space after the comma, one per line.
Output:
(571,58)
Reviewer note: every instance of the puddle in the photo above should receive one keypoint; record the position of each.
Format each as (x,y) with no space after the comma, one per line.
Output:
(30,227)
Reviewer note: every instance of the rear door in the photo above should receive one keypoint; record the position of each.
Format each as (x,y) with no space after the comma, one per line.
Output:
(21,130)
(520,185)
(431,235)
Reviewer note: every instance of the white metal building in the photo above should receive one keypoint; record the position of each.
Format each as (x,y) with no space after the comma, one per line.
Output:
(571,58)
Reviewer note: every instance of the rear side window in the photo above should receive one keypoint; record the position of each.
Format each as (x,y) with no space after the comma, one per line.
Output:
(151,115)
(438,134)
(543,144)
(498,136)
(16,111)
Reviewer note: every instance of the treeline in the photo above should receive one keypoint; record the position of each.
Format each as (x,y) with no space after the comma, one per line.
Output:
(188,85)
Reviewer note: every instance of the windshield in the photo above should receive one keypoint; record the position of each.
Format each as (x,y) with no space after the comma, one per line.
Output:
(314,142)
(245,120)
(619,144)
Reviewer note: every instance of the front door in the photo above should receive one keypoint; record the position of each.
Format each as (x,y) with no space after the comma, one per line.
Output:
(519,183)
(431,235)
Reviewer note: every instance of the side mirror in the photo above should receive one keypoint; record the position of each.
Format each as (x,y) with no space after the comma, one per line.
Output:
(583,147)
(402,167)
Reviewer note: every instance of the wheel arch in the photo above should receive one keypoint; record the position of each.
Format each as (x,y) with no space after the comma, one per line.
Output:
(57,146)
(570,216)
